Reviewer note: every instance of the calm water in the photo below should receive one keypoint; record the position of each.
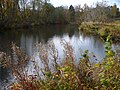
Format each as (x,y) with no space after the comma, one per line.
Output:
(27,39)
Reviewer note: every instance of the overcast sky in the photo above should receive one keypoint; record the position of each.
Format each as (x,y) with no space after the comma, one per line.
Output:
(78,2)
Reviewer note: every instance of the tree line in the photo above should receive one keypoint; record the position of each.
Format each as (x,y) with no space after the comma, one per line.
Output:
(22,13)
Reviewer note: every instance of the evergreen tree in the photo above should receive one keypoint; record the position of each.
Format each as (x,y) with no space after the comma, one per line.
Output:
(72,13)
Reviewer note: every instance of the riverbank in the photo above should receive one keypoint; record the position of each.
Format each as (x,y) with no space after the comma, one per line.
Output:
(67,75)
(102,29)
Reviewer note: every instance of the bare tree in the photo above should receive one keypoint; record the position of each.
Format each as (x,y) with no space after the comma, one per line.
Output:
(99,13)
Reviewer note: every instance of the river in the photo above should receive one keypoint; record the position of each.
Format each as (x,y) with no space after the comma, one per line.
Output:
(27,38)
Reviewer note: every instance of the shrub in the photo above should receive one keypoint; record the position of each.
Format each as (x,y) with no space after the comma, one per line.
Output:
(66,75)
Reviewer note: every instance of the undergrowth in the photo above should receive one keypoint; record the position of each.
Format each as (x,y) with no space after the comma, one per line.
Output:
(54,74)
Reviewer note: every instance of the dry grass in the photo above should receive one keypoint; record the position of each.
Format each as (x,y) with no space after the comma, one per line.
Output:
(66,75)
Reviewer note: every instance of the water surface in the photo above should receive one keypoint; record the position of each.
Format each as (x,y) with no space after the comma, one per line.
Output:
(27,38)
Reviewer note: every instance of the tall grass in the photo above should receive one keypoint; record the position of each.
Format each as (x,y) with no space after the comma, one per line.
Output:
(67,75)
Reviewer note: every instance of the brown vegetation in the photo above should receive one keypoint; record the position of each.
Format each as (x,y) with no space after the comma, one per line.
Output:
(66,75)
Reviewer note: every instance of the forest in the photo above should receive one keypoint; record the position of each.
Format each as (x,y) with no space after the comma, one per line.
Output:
(25,13)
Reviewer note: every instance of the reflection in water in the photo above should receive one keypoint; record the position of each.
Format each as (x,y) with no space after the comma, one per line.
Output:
(26,43)
(78,41)
(27,39)
(80,44)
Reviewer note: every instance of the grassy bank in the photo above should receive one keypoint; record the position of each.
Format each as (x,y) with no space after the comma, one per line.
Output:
(102,29)
(67,75)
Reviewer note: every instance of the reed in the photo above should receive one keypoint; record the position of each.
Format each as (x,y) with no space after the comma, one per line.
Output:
(54,74)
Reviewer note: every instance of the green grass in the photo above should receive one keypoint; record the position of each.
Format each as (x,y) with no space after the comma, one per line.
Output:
(102,29)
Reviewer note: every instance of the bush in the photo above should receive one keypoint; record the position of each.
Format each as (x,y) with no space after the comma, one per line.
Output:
(67,75)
